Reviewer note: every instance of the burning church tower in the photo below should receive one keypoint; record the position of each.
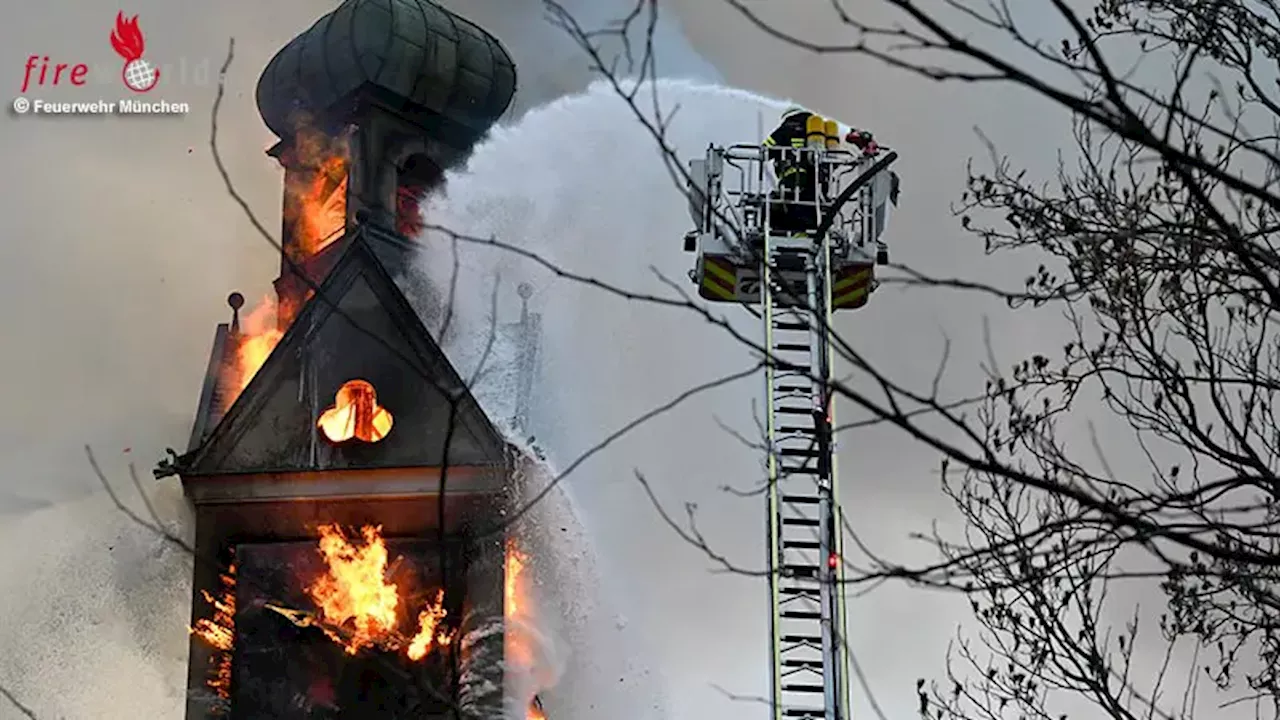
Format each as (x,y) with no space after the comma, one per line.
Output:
(346,485)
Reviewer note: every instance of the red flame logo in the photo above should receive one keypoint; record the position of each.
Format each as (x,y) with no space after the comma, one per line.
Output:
(138,75)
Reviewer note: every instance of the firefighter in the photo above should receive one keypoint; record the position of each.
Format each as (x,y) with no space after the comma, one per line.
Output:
(795,174)
(796,181)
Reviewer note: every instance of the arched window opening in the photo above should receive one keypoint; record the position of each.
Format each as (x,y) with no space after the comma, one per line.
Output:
(417,176)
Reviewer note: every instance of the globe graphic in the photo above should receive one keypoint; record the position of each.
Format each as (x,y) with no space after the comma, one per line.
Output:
(139,75)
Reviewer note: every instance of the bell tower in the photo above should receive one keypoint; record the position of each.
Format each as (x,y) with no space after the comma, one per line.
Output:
(371,104)
(336,433)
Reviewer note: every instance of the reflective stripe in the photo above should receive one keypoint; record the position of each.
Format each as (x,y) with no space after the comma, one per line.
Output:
(769,141)
(719,281)
(723,272)
(851,300)
(852,289)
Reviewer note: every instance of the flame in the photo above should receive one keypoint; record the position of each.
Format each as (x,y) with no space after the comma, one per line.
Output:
(355,414)
(430,633)
(219,633)
(259,335)
(514,580)
(316,190)
(355,596)
(324,209)
(127,39)
(518,613)
(354,592)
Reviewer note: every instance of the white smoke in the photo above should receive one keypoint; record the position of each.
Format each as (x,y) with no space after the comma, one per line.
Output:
(581,183)
(95,610)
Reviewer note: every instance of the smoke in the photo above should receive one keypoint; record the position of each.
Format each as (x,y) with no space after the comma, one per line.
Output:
(95,611)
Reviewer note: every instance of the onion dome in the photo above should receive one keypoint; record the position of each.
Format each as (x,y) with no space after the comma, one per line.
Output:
(413,51)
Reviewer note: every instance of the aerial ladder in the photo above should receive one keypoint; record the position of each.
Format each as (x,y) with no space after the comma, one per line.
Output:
(795,258)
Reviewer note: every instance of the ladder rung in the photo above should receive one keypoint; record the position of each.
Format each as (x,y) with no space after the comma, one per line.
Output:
(798,429)
(804,522)
(798,591)
(810,664)
(793,411)
(799,452)
(801,545)
(802,615)
(792,347)
(788,470)
(805,714)
(792,371)
(801,570)
(785,325)
(802,640)
(802,687)
(793,388)
(801,499)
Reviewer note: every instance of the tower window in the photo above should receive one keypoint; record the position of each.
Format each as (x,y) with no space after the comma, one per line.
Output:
(355,415)
(417,176)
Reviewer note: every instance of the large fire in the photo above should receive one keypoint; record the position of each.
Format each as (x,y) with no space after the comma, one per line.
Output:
(358,608)
(219,633)
(259,335)
(316,190)
(355,590)
(357,604)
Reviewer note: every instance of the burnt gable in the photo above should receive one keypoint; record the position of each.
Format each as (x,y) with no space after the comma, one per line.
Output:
(358,326)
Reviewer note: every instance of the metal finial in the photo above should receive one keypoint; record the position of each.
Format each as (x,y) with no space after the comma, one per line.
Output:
(525,291)
(236,301)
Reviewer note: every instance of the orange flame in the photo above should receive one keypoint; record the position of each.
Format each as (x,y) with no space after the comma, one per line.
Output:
(355,414)
(219,633)
(518,612)
(514,580)
(430,633)
(259,335)
(316,190)
(355,595)
(354,591)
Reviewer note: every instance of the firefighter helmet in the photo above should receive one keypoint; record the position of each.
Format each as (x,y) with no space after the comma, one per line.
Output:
(793,110)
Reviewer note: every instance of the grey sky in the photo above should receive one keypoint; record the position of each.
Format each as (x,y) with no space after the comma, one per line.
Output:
(121,245)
